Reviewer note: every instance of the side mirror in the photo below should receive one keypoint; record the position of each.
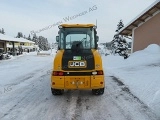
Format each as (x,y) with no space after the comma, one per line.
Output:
(57,38)
(97,38)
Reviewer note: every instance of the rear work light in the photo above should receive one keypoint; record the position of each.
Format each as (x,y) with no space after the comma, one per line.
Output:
(57,73)
(94,73)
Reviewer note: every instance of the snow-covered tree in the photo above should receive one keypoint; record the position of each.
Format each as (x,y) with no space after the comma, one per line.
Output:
(119,44)
(120,25)
(35,39)
(41,41)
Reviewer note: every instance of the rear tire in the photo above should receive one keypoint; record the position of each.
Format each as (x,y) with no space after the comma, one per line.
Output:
(98,91)
(57,91)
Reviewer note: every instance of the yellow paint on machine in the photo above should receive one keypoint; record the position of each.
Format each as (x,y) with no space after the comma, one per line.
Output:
(83,82)
(78,82)
(81,79)
(57,65)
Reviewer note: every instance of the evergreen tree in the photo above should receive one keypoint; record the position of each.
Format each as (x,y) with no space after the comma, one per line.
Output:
(2,31)
(19,35)
(40,42)
(119,44)
(29,37)
(35,39)
(43,43)
(120,25)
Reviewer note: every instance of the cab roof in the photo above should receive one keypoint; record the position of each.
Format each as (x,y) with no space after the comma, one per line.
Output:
(77,25)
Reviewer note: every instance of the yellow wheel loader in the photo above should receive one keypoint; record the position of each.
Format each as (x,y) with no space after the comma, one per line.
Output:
(77,63)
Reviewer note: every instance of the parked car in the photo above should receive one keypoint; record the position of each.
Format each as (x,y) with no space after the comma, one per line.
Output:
(106,54)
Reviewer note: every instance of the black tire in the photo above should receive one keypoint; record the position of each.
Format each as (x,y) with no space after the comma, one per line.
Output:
(57,91)
(98,91)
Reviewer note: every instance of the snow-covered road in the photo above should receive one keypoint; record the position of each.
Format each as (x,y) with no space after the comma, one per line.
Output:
(29,98)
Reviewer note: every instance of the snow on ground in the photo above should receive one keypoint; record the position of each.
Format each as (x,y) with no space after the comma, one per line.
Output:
(140,72)
(25,89)
(12,69)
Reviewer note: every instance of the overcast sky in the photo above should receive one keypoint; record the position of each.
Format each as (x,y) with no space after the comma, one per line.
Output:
(32,15)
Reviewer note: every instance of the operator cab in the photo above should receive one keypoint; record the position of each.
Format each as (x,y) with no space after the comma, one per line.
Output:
(77,38)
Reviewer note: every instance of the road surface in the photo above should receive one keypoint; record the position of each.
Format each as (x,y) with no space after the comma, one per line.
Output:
(30,98)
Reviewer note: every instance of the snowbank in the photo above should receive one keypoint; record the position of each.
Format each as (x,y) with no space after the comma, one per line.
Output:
(140,72)
(49,52)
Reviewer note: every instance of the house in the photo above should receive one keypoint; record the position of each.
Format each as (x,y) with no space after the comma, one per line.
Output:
(3,41)
(145,28)
(2,45)
(27,45)
(13,45)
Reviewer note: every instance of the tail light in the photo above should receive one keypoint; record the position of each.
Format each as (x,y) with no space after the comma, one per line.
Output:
(100,72)
(57,73)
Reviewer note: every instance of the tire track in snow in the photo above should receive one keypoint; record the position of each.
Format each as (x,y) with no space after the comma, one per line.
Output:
(16,105)
(27,92)
(130,97)
(38,103)
(78,109)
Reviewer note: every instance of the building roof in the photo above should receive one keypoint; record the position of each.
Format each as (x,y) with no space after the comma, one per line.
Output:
(12,39)
(5,37)
(77,25)
(23,40)
(148,12)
